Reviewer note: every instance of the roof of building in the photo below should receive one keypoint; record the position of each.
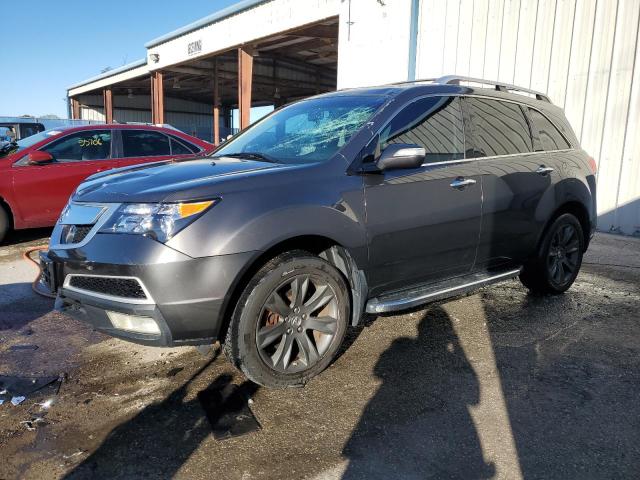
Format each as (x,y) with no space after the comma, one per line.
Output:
(109,73)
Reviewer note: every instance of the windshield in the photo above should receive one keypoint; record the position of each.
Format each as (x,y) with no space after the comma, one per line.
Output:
(12,147)
(305,132)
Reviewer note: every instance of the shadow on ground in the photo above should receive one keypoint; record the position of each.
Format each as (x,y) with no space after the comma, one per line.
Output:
(174,427)
(418,423)
(20,237)
(19,305)
(567,370)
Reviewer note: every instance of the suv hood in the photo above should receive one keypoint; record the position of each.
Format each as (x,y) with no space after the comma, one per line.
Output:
(167,181)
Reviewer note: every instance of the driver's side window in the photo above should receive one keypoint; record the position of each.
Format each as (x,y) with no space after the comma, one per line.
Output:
(435,123)
(79,146)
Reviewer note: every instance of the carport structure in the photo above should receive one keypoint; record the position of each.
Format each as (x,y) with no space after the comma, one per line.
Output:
(255,53)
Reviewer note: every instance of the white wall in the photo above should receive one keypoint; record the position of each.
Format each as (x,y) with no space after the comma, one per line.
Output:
(581,52)
(373,47)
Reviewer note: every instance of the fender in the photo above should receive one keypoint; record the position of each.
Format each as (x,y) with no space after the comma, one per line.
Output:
(563,192)
(6,197)
(256,221)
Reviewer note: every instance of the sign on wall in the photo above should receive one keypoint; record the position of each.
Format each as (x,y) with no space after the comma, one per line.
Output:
(194,48)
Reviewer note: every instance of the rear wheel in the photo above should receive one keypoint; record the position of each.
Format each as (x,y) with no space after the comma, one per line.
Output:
(290,321)
(4,223)
(559,258)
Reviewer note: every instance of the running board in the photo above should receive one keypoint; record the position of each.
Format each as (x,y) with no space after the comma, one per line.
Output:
(415,296)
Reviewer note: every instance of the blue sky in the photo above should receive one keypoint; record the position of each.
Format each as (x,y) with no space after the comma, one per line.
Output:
(49,45)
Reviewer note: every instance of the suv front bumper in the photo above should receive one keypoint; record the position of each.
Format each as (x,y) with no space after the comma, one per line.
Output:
(186,297)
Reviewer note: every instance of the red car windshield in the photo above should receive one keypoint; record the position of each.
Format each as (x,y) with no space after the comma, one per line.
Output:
(10,148)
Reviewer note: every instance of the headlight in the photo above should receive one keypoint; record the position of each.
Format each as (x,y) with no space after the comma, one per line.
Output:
(158,220)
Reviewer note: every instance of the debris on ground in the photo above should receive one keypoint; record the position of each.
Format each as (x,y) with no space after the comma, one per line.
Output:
(75,454)
(17,389)
(174,371)
(18,348)
(34,422)
(228,412)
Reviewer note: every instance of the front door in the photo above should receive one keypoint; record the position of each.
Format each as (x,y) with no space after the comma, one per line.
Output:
(424,223)
(42,191)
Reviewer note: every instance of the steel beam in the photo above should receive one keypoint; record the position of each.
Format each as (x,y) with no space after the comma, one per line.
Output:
(245,77)
(107,95)
(75,109)
(216,105)
(157,97)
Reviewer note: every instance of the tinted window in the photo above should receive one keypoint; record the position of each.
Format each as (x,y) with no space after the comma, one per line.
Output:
(179,148)
(87,145)
(142,143)
(499,128)
(549,135)
(434,123)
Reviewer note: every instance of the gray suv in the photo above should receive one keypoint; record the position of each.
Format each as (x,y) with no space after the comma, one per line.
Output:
(356,202)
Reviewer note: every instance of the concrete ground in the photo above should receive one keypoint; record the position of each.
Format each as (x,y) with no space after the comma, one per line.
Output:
(498,384)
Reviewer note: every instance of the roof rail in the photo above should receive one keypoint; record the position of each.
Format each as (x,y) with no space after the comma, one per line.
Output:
(502,87)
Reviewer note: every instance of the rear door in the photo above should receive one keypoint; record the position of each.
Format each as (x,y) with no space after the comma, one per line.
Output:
(143,146)
(41,191)
(513,181)
(422,227)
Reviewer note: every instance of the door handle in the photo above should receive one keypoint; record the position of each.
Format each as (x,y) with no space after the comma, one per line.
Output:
(542,170)
(461,182)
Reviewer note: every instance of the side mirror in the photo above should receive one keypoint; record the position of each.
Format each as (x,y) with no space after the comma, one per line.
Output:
(40,158)
(401,155)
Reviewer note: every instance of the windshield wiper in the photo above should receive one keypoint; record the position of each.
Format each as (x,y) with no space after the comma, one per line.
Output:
(250,155)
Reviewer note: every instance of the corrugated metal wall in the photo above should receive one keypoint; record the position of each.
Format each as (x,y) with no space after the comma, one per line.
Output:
(190,117)
(584,53)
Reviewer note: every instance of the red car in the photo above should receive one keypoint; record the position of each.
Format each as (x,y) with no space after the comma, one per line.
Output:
(39,173)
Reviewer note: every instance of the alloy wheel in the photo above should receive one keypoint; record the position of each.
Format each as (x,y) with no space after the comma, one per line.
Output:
(564,254)
(297,324)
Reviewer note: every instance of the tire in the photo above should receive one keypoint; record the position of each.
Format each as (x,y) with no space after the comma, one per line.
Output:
(290,321)
(4,223)
(558,260)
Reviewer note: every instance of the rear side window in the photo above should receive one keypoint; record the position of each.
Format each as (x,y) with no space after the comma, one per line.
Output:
(180,148)
(143,143)
(434,123)
(549,135)
(86,145)
(499,128)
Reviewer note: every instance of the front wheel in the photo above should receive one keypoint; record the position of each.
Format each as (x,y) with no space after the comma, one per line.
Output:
(290,321)
(559,258)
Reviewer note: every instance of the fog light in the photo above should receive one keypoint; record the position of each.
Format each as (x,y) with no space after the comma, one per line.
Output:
(133,323)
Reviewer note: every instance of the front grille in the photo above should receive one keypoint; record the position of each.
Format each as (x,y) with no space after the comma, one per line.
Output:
(74,233)
(116,287)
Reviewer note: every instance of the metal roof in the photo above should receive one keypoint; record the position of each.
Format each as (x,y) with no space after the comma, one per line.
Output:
(215,17)
(129,66)
(203,22)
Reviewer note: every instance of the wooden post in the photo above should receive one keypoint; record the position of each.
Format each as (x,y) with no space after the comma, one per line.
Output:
(107,95)
(245,77)
(75,109)
(157,97)
(216,105)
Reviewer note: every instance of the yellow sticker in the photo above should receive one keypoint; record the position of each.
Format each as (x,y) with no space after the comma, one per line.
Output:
(90,142)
